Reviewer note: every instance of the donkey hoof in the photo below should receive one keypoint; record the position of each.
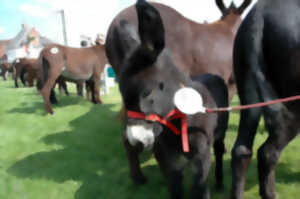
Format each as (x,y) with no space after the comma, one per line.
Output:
(139,180)
(50,112)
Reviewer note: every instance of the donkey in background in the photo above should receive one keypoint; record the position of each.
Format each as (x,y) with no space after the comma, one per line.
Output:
(25,67)
(197,48)
(75,63)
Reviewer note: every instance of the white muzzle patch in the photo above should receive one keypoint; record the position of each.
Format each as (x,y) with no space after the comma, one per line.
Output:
(17,61)
(141,133)
(54,50)
(189,101)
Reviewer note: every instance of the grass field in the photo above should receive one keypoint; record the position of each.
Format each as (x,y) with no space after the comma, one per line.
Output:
(77,153)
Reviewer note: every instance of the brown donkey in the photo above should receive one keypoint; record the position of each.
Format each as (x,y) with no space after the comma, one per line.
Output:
(5,67)
(196,48)
(75,63)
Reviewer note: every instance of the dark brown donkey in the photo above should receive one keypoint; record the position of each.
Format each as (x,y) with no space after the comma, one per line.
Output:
(28,66)
(197,48)
(267,67)
(74,63)
(5,67)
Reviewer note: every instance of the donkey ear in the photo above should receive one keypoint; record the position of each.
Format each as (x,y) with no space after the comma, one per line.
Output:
(244,5)
(151,29)
(221,6)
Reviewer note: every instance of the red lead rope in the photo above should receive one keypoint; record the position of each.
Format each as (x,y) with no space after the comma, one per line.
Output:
(261,104)
(174,114)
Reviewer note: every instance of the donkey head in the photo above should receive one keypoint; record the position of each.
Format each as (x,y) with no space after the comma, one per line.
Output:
(149,79)
(232,9)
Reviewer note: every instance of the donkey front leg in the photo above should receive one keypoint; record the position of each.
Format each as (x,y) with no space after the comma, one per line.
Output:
(79,87)
(96,92)
(201,161)
(172,167)
(133,161)
(30,79)
(219,150)
(4,73)
(88,90)
(16,77)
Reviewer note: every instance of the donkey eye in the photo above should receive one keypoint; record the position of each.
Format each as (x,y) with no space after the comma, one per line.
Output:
(161,86)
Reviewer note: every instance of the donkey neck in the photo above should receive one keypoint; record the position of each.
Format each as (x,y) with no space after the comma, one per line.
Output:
(232,21)
(99,49)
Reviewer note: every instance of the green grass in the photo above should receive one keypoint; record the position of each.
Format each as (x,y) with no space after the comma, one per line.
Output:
(78,153)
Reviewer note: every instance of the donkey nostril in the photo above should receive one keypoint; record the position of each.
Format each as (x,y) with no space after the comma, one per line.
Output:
(151,101)
(146,93)
(161,86)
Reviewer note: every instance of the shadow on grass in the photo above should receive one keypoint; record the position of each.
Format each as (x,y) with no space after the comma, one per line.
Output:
(38,107)
(26,108)
(92,154)
(285,174)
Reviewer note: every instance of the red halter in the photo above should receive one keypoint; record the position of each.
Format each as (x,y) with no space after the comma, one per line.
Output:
(174,114)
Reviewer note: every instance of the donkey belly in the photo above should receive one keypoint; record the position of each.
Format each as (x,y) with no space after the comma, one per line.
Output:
(75,76)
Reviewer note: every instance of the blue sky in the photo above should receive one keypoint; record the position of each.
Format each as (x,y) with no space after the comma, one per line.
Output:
(10,18)
(85,17)
(13,14)
(42,15)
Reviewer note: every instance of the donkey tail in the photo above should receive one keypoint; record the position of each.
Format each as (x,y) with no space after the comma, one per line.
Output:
(44,75)
(22,76)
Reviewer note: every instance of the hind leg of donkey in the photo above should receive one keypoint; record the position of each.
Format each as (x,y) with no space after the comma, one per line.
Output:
(53,99)
(46,90)
(132,153)
(249,119)
(242,151)
(282,129)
